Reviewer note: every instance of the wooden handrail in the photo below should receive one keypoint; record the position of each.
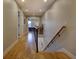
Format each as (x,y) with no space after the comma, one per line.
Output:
(58,33)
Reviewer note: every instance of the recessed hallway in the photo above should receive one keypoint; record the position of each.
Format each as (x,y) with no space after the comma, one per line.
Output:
(39,29)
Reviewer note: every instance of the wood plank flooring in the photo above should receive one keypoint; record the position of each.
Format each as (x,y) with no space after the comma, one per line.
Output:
(22,50)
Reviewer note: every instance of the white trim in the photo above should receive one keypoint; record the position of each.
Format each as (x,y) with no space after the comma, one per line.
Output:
(10,47)
(67,52)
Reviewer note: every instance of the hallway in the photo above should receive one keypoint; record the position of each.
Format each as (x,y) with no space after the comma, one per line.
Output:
(39,29)
(32,40)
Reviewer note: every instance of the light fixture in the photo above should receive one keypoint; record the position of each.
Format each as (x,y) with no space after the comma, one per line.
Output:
(22,0)
(40,10)
(26,10)
(45,0)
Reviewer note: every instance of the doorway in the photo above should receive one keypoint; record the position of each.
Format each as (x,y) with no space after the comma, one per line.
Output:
(32,34)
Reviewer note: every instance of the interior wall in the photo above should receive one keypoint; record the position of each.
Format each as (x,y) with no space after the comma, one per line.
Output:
(25,29)
(10,22)
(21,19)
(62,13)
(35,21)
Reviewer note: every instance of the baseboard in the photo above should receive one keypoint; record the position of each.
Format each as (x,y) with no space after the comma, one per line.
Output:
(13,44)
(67,52)
(10,47)
(23,34)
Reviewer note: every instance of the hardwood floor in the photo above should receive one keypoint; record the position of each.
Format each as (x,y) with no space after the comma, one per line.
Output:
(52,55)
(25,49)
(31,41)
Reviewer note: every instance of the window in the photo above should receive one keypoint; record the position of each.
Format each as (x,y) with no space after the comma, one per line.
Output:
(29,23)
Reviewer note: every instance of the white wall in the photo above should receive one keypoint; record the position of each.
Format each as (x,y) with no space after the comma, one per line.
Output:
(35,21)
(21,19)
(25,29)
(10,25)
(61,13)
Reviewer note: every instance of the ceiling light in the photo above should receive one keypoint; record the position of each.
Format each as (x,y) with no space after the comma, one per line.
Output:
(45,0)
(40,10)
(22,0)
(26,10)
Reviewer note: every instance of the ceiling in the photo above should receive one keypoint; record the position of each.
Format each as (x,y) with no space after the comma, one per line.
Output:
(34,7)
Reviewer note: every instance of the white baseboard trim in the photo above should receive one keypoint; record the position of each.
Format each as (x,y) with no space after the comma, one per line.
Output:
(13,44)
(10,47)
(67,52)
